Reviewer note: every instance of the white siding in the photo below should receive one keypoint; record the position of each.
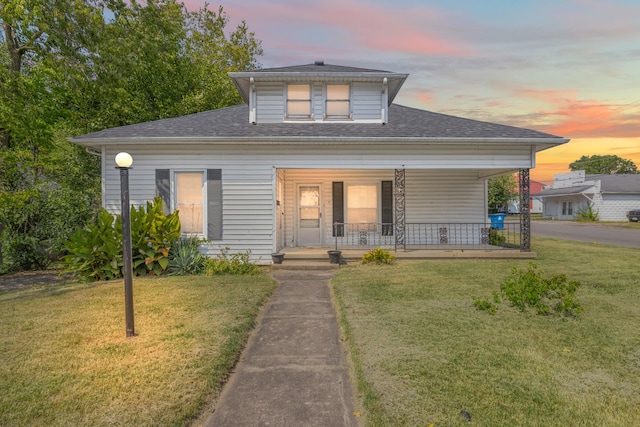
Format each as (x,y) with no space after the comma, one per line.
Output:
(431,196)
(614,207)
(269,102)
(443,183)
(247,195)
(366,101)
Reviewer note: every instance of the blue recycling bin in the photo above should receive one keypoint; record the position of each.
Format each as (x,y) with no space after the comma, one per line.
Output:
(497,221)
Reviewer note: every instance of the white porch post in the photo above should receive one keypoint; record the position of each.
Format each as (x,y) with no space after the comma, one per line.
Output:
(399,205)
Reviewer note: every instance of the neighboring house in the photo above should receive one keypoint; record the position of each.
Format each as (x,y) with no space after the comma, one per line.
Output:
(535,203)
(610,196)
(318,156)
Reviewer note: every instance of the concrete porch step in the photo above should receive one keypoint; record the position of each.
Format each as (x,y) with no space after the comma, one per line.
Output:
(305,264)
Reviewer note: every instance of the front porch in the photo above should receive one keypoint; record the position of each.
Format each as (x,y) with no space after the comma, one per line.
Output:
(354,256)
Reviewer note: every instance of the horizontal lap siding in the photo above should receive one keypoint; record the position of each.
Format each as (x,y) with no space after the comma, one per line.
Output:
(247,196)
(269,102)
(444,196)
(325,178)
(367,101)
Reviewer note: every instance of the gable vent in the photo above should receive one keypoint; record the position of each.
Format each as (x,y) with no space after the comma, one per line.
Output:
(319,63)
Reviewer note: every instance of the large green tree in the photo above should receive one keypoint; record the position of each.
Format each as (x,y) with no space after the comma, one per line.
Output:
(502,190)
(73,67)
(608,164)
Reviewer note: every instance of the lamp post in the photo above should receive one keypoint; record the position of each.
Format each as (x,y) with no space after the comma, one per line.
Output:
(123,162)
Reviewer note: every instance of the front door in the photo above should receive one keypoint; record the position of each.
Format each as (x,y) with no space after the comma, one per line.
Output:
(309,230)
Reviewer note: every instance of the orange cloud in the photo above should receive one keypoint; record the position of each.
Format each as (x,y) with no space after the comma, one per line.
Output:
(425,97)
(575,118)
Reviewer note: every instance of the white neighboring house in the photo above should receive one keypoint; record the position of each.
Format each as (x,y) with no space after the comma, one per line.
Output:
(611,196)
(318,155)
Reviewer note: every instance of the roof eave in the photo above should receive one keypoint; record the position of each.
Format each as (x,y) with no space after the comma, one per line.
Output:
(289,140)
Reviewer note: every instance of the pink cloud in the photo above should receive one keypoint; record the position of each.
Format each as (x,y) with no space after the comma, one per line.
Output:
(357,24)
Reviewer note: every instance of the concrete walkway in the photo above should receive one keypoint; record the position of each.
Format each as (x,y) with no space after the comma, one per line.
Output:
(293,371)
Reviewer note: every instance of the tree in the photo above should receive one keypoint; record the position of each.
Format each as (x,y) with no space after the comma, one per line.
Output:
(74,67)
(608,164)
(501,191)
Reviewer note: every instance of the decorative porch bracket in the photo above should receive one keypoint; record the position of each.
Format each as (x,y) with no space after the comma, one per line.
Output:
(525,218)
(399,208)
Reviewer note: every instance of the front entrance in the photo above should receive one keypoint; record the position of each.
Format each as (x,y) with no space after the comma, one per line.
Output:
(309,224)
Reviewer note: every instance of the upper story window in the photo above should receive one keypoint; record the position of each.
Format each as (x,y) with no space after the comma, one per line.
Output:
(338,103)
(298,101)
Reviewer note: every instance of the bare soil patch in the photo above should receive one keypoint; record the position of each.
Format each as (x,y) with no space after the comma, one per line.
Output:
(25,279)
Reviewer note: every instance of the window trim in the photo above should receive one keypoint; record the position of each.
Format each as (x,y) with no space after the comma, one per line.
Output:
(377,184)
(289,116)
(174,197)
(327,116)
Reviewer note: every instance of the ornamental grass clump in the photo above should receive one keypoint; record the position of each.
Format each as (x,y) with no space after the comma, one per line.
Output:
(185,257)
(378,256)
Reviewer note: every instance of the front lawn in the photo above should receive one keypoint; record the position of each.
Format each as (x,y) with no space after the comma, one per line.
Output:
(422,353)
(65,360)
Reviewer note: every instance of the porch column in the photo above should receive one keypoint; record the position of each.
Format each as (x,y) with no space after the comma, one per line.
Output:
(399,207)
(525,218)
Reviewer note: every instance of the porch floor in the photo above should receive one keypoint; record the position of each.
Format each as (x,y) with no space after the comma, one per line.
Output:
(316,253)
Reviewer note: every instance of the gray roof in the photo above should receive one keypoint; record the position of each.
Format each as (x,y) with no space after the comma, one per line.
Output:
(566,191)
(620,183)
(319,66)
(233,123)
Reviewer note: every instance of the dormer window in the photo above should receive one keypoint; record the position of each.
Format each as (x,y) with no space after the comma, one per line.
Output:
(299,101)
(338,103)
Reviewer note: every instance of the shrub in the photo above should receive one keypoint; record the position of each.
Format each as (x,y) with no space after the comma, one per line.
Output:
(587,214)
(95,251)
(496,238)
(225,263)
(378,256)
(529,288)
(185,257)
(152,234)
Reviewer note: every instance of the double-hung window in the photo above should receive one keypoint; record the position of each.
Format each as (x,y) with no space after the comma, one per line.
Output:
(189,201)
(299,101)
(198,197)
(338,103)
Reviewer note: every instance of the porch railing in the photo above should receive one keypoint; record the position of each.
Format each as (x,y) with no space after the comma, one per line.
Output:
(424,236)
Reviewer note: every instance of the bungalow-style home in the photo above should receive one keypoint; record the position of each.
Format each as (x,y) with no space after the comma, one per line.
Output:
(319,156)
(610,196)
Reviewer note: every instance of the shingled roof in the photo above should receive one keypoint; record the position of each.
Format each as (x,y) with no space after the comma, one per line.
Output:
(232,123)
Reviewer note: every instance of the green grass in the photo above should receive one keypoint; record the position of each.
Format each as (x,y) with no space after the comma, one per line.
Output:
(64,358)
(421,353)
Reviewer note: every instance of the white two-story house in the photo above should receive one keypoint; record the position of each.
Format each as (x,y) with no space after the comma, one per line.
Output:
(320,156)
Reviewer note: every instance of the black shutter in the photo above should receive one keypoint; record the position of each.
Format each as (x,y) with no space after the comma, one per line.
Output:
(214,204)
(338,209)
(163,188)
(387,208)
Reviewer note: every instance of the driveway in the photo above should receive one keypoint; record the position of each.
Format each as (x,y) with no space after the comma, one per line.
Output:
(587,232)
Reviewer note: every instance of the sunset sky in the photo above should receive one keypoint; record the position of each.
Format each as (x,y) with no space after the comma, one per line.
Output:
(567,67)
